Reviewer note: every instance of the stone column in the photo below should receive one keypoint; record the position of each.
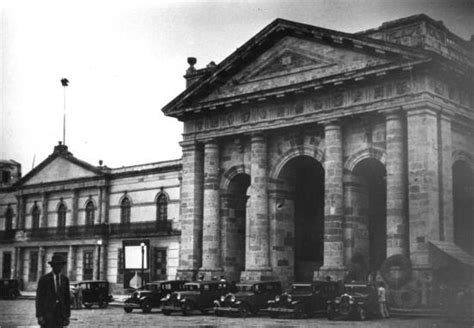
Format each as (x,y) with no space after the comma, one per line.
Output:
(191,210)
(75,211)
(40,261)
(211,260)
(446,228)
(423,180)
(257,257)
(333,203)
(397,238)
(71,262)
(104,261)
(44,210)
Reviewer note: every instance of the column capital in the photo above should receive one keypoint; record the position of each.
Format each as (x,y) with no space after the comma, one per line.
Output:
(395,113)
(422,107)
(189,145)
(332,124)
(210,142)
(258,137)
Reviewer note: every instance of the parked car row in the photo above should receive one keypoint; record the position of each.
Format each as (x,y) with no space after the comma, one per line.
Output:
(302,300)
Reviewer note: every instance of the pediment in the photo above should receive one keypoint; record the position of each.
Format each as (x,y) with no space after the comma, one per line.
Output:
(59,169)
(294,60)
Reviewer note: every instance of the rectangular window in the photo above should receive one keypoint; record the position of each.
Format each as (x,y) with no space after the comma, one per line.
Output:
(7,265)
(87,265)
(120,265)
(159,263)
(33,268)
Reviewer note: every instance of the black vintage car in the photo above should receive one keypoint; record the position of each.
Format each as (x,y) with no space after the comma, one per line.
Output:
(304,299)
(9,289)
(197,295)
(250,298)
(151,294)
(358,301)
(94,292)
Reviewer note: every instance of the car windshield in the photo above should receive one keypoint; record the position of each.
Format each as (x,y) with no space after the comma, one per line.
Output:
(244,288)
(191,287)
(300,289)
(356,290)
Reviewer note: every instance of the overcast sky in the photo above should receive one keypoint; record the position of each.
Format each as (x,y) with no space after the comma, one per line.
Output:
(125,60)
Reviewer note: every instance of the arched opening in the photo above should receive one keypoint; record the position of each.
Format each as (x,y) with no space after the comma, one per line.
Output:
(234,221)
(463,206)
(300,217)
(371,207)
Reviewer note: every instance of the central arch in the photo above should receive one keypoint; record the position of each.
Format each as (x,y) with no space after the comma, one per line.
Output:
(297,208)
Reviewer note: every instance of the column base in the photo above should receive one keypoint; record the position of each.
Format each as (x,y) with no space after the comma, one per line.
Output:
(332,273)
(257,275)
(210,274)
(186,274)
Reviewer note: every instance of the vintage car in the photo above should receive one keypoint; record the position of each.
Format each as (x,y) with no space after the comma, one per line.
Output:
(9,289)
(151,294)
(94,292)
(250,298)
(197,295)
(304,299)
(358,301)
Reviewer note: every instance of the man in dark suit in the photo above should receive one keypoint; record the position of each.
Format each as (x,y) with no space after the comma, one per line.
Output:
(53,303)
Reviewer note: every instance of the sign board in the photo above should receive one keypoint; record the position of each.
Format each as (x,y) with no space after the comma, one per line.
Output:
(135,254)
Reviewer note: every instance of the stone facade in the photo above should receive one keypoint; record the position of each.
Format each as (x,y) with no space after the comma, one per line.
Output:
(92,197)
(334,153)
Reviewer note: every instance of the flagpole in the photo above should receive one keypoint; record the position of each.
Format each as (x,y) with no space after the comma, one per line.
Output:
(64,83)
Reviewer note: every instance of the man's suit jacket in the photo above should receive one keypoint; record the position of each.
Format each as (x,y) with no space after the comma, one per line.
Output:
(46,298)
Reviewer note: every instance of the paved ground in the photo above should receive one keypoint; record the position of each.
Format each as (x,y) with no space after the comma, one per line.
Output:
(20,313)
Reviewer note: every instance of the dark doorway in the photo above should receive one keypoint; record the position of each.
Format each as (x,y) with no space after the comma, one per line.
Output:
(463,206)
(7,265)
(303,178)
(373,174)
(234,257)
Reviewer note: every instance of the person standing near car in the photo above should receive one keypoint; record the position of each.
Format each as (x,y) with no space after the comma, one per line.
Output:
(382,299)
(53,302)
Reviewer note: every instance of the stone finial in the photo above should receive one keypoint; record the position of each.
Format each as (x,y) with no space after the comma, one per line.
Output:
(191,61)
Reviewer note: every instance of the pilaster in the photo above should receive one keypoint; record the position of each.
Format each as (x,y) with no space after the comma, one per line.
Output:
(41,262)
(44,210)
(446,227)
(74,214)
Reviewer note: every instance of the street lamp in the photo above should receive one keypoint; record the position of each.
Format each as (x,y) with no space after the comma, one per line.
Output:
(99,244)
(142,245)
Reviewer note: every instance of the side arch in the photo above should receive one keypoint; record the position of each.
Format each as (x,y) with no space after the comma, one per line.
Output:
(313,152)
(461,155)
(372,152)
(231,173)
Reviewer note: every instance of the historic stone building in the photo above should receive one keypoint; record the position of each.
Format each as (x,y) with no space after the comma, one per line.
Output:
(311,152)
(65,205)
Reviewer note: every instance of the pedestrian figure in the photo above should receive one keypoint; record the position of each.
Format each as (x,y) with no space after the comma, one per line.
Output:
(53,302)
(382,299)
(222,278)
(78,297)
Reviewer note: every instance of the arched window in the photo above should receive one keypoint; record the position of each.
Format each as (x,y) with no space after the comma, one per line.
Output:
(62,216)
(9,218)
(35,217)
(90,213)
(125,210)
(162,208)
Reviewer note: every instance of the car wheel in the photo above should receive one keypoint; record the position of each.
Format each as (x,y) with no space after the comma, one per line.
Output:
(244,310)
(361,315)
(330,312)
(299,312)
(88,305)
(128,309)
(146,307)
(12,295)
(187,308)
(166,312)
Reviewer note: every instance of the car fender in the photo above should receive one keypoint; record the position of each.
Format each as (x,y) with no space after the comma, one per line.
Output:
(295,303)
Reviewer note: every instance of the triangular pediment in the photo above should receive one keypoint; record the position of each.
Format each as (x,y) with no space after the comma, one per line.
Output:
(59,169)
(295,60)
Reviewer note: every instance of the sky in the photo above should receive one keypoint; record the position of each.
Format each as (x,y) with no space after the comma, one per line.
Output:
(125,60)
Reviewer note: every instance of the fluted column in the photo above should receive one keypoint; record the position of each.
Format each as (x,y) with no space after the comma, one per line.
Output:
(191,210)
(333,202)
(211,225)
(397,238)
(257,258)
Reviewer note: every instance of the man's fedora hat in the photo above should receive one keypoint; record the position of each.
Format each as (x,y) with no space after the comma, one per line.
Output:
(57,259)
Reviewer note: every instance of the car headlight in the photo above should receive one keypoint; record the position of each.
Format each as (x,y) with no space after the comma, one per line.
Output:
(232,298)
(277,298)
(337,300)
(178,296)
(168,296)
(351,300)
(222,298)
(289,298)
